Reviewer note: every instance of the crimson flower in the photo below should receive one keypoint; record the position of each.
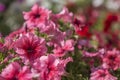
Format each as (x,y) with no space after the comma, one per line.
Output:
(81,28)
(109,20)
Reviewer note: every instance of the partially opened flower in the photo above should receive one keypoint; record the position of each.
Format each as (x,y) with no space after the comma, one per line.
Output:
(37,15)
(30,46)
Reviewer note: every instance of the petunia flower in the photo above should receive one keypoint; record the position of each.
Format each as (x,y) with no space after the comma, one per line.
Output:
(51,67)
(11,71)
(65,46)
(37,16)
(30,46)
(14,72)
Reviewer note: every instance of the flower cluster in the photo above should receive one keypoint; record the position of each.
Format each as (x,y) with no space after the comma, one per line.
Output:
(42,48)
(38,50)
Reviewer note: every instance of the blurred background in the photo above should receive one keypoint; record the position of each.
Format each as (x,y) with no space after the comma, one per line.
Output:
(11,10)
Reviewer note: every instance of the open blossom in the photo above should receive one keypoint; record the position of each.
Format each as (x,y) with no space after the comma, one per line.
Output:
(102,74)
(36,16)
(111,59)
(30,46)
(51,67)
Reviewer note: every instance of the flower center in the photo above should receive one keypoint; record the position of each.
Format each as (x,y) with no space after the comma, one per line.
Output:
(112,57)
(103,75)
(30,50)
(37,16)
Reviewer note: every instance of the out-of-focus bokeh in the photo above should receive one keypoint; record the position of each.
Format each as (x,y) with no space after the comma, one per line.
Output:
(11,10)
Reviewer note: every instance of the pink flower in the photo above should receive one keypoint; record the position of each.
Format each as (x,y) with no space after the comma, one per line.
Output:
(30,46)
(111,59)
(1,78)
(65,15)
(102,74)
(65,46)
(16,34)
(56,37)
(51,67)
(11,71)
(25,74)
(14,72)
(68,45)
(49,28)
(8,43)
(36,16)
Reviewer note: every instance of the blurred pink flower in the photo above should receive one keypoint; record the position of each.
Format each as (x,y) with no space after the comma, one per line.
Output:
(51,67)
(111,59)
(102,74)
(37,15)
(65,46)
(65,15)
(11,71)
(14,72)
(25,74)
(2,7)
(8,43)
(2,78)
